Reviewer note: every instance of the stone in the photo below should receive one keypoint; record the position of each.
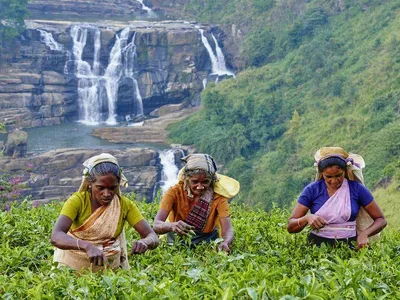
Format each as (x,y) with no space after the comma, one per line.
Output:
(57,174)
(16,145)
(53,78)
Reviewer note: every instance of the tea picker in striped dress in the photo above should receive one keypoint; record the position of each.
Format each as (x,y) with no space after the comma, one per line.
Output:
(198,202)
(89,232)
(335,199)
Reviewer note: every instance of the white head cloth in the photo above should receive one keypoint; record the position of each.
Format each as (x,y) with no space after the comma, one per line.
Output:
(90,163)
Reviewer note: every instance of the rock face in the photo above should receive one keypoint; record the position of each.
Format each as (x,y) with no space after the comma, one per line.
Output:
(57,174)
(16,145)
(39,87)
(151,131)
(98,8)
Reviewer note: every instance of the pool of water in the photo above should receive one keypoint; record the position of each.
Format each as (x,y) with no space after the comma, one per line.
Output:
(74,135)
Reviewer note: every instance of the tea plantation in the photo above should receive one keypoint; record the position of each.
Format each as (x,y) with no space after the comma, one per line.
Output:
(266,262)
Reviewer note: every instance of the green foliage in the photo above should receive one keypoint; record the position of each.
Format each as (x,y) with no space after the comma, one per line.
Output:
(12,15)
(331,79)
(266,262)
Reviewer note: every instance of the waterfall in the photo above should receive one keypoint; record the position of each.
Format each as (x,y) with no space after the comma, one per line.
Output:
(144,7)
(113,74)
(169,173)
(221,65)
(95,89)
(48,40)
(130,55)
(88,80)
(218,66)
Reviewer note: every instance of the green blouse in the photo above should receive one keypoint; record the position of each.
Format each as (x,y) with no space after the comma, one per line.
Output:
(78,209)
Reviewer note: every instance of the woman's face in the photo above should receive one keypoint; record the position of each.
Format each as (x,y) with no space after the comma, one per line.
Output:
(199,183)
(104,188)
(333,177)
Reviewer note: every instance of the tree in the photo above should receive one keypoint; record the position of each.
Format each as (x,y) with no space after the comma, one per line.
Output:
(12,15)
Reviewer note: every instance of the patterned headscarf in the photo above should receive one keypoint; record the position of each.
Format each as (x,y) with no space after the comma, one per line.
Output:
(200,161)
(195,164)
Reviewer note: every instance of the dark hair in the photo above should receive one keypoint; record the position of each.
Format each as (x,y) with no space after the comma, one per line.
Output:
(332,161)
(104,168)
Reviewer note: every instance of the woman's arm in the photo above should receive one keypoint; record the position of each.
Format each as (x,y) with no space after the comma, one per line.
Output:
(61,240)
(376,214)
(298,219)
(161,227)
(149,239)
(227,233)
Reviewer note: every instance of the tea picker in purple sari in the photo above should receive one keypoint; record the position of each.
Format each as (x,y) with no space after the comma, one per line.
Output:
(338,202)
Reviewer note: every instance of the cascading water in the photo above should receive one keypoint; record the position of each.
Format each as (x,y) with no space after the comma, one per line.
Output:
(113,74)
(94,89)
(221,65)
(144,7)
(129,62)
(48,40)
(88,78)
(218,66)
(169,173)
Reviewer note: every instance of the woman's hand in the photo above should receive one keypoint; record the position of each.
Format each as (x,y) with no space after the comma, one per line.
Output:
(315,221)
(224,247)
(181,228)
(96,256)
(139,247)
(362,240)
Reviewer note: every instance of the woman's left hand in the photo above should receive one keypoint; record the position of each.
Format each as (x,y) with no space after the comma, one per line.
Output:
(224,246)
(139,247)
(362,241)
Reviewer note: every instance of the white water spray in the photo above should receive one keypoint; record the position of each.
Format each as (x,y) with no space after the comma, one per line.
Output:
(169,173)
(94,89)
(144,7)
(129,63)
(48,39)
(218,66)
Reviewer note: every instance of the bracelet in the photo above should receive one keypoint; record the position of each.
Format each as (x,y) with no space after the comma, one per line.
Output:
(298,223)
(153,242)
(77,244)
(141,241)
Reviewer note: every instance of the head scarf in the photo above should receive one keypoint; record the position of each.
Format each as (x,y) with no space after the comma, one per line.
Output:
(90,163)
(355,163)
(223,185)
(200,162)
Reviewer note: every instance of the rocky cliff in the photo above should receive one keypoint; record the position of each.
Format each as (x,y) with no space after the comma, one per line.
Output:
(63,9)
(57,174)
(40,83)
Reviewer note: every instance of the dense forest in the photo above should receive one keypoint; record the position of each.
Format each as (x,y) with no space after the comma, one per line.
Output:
(321,73)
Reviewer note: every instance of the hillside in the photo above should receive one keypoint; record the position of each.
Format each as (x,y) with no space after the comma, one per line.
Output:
(323,74)
(266,262)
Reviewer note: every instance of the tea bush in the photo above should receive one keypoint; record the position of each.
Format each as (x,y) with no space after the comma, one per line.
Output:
(266,262)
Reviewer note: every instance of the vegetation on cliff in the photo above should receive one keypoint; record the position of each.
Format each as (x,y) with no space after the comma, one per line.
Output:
(12,16)
(325,73)
(266,262)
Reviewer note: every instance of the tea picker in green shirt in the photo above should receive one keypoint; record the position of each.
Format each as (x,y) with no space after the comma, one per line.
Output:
(89,232)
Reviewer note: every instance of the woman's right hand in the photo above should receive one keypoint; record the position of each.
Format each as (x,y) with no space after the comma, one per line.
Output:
(181,228)
(96,256)
(315,221)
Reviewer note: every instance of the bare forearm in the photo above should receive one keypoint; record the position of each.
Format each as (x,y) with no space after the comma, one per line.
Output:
(375,227)
(63,241)
(228,236)
(162,227)
(151,240)
(297,224)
